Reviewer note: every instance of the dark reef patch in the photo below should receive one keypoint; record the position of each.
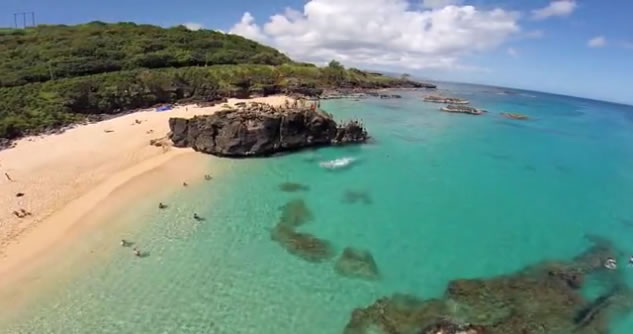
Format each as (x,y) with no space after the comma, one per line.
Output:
(353,196)
(357,263)
(539,299)
(303,245)
(295,213)
(291,187)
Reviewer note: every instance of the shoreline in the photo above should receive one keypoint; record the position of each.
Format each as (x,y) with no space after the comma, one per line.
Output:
(65,178)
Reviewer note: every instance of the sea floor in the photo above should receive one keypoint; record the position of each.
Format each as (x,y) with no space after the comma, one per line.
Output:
(434,197)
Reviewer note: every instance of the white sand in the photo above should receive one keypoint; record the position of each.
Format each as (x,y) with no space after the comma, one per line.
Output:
(66,176)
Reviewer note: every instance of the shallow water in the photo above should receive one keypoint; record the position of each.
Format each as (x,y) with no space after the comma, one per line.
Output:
(434,197)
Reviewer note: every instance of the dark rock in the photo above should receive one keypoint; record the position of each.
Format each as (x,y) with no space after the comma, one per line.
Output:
(303,245)
(543,298)
(5,144)
(357,263)
(260,130)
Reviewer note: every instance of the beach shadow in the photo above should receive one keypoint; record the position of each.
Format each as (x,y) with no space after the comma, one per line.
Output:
(353,197)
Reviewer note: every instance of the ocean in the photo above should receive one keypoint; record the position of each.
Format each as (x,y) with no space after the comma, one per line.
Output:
(434,197)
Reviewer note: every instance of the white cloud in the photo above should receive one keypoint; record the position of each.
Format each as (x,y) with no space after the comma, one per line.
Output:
(597,42)
(555,8)
(193,26)
(382,33)
(440,3)
(513,52)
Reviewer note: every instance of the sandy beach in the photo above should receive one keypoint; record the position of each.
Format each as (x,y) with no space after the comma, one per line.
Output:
(58,179)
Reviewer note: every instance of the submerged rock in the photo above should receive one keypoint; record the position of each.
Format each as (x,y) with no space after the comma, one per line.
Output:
(352,196)
(303,245)
(543,298)
(260,130)
(292,187)
(295,213)
(357,263)
(516,116)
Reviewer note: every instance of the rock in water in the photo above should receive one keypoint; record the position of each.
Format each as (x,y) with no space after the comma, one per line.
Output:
(357,263)
(260,130)
(303,245)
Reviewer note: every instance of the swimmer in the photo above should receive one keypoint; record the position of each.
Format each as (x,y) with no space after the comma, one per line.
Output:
(610,264)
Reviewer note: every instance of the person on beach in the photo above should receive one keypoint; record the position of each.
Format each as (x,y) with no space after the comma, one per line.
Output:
(197,217)
(184,184)
(207,177)
(137,252)
(162,206)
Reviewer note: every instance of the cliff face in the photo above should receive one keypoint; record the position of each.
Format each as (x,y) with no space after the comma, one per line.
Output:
(261,130)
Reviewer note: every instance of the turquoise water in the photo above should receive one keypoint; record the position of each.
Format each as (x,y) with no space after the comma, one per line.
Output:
(452,196)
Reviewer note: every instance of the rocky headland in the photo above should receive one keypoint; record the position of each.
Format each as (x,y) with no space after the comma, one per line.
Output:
(542,298)
(260,130)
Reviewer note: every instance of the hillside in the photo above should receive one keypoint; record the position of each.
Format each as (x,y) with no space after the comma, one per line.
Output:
(52,76)
(51,52)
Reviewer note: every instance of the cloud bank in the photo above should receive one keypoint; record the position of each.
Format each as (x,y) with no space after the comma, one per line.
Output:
(386,33)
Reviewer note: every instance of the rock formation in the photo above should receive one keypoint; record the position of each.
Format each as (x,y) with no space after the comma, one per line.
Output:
(462,109)
(543,298)
(516,116)
(445,99)
(260,130)
(303,245)
(356,263)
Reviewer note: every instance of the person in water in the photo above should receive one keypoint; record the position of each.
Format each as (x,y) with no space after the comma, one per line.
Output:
(610,264)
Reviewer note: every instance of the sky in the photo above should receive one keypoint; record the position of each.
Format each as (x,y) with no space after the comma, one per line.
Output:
(574,47)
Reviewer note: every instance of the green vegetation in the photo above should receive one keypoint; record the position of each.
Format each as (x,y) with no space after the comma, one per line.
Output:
(52,76)
(53,52)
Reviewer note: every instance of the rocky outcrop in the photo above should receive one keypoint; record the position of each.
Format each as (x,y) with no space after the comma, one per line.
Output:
(260,130)
(542,298)
(357,263)
(445,99)
(462,109)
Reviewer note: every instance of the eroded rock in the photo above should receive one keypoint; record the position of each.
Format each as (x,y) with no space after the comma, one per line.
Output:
(260,130)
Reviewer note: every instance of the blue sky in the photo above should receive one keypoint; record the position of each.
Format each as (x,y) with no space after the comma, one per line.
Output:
(547,53)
